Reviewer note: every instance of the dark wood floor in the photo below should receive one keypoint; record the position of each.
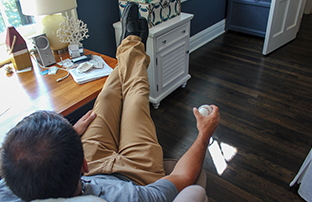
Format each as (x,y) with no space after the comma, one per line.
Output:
(266,114)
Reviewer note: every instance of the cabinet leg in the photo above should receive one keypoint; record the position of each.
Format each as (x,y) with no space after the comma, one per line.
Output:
(184,84)
(156,105)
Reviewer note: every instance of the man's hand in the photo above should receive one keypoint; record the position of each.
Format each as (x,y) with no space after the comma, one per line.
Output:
(206,125)
(82,124)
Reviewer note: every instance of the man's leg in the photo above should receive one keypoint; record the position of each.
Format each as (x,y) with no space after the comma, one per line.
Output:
(100,141)
(122,139)
(141,157)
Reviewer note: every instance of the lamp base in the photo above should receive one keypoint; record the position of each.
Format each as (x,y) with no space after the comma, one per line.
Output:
(50,25)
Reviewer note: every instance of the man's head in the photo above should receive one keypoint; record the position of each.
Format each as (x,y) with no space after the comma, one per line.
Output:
(42,157)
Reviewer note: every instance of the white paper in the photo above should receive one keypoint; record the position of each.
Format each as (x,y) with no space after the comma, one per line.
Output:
(101,69)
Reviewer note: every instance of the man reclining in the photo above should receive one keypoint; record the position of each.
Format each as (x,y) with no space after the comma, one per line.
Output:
(43,156)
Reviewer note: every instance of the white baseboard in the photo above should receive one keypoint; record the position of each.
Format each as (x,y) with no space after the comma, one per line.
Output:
(207,35)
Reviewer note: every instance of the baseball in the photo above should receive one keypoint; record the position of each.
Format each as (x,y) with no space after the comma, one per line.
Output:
(205,110)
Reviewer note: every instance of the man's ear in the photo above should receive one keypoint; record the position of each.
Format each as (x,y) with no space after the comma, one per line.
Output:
(84,167)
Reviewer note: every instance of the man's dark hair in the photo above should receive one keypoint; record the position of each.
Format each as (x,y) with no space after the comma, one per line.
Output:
(42,157)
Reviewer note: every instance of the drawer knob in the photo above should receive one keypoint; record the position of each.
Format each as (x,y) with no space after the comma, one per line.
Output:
(183,31)
(164,42)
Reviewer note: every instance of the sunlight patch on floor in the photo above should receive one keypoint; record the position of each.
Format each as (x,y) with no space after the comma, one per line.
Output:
(221,154)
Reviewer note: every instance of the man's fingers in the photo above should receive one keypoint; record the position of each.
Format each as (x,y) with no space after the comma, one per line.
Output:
(89,116)
(196,112)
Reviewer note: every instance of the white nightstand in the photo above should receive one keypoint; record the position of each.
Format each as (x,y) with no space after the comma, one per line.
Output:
(168,48)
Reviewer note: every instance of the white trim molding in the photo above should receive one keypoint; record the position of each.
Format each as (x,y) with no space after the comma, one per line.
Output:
(308,7)
(207,35)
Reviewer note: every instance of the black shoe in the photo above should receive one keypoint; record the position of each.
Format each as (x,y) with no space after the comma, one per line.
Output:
(130,21)
(143,30)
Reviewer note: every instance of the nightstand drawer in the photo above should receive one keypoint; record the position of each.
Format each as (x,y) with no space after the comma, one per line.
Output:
(176,34)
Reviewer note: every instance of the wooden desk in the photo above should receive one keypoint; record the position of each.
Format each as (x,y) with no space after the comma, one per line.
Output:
(24,93)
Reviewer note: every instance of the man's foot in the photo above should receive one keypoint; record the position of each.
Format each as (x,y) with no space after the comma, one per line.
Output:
(130,21)
(143,30)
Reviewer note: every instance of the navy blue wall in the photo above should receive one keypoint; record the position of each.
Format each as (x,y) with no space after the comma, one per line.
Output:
(206,13)
(99,15)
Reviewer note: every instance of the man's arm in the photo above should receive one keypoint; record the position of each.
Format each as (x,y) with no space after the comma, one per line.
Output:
(189,166)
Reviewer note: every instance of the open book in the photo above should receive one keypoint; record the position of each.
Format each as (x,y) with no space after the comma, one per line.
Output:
(99,69)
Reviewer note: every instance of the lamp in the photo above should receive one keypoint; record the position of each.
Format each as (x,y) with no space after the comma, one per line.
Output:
(52,20)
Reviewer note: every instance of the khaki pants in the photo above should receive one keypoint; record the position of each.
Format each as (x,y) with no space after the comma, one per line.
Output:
(122,138)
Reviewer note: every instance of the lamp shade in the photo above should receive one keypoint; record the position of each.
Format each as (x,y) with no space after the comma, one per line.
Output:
(46,7)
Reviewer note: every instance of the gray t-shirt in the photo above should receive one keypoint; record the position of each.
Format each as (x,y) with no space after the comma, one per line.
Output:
(112,188)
